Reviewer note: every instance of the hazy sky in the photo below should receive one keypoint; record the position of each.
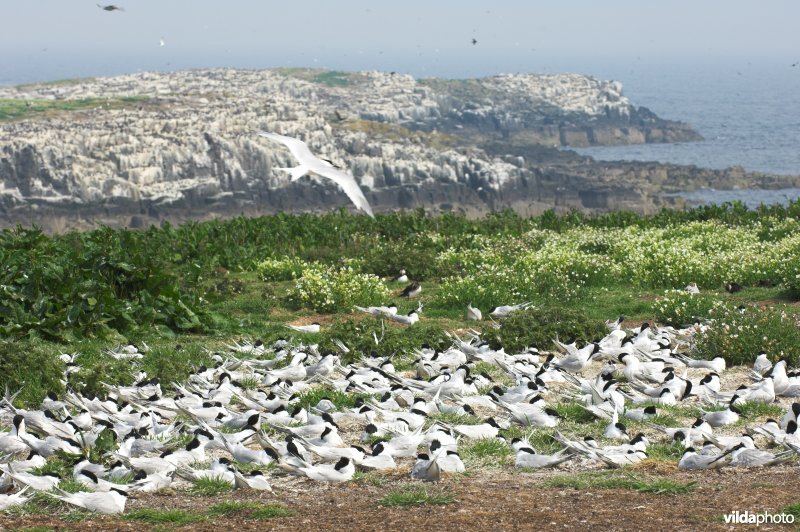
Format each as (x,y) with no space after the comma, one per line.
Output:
(44,39)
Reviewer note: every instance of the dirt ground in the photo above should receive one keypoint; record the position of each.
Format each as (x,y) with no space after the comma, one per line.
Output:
(502,501)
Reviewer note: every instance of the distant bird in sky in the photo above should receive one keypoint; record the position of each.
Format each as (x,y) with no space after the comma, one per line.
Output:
(474,41)
(110,7)
(162,42)
(309,163)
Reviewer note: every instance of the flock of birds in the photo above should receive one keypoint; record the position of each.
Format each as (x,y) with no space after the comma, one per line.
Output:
(244,414)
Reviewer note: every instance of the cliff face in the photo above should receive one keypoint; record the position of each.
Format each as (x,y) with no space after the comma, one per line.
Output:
(142,148)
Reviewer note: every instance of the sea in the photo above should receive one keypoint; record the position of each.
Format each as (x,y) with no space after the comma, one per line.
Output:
(748,113)
(746,109)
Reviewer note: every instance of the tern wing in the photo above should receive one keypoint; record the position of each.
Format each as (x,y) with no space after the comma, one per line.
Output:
(298,148)
(349,185)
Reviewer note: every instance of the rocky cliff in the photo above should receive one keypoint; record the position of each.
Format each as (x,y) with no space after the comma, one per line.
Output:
(141,148)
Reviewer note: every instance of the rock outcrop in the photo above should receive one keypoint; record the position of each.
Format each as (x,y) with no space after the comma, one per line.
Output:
(183,145)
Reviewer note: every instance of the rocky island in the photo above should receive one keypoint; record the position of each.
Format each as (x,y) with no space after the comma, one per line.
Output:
(147,147)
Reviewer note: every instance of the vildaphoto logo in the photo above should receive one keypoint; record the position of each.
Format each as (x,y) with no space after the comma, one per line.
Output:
(762,518)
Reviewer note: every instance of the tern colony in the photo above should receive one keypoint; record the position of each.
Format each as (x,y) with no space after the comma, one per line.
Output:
(244,415)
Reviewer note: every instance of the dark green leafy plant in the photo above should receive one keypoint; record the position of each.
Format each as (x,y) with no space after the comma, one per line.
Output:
(393,340)
(539,326)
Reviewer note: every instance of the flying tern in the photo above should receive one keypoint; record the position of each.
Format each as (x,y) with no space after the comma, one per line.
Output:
(309,163)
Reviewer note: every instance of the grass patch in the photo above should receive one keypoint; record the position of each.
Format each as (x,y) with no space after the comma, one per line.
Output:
(540,439)
(340,399)
(359,336)
(667,452)
(455,419)
(624,481)
(538,326)
(574,412)
(495,372)
(756,410)
(16,109)
(793,509)
(151,516)
(211,486)
(415,496)
(250,510)
(487,453)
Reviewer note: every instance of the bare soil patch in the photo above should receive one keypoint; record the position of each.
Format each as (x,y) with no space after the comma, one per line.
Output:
(502,501)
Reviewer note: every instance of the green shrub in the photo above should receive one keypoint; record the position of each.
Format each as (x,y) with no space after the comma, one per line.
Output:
(336,289)
(17,363)
(738,335)
(539,326)
(87,284)
(680,308)
(393,340)
(283,269)
(416,255)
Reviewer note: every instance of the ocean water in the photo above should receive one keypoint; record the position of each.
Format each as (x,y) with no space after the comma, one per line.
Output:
(748,113)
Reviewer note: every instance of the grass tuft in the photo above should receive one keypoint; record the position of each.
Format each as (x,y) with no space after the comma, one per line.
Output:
(152,516)
(211,486)
(793,509)
(487,453)
(574,413)
(250,510)
(756,410)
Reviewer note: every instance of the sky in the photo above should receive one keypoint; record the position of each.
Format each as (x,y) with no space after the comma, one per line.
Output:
(56,39)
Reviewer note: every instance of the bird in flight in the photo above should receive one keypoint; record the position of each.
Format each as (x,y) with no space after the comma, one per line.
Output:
(309,163)
(474,41)
(110,7)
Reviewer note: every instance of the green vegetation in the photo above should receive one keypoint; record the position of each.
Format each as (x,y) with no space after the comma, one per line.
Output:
(680,308)
(243,509)
(416,495)
(393,340)
(341,400)
(624,481)
(667,452)
(332,289)
(539,326)
(751,411)
(211,486)
(739,334)
(21,109)
(331,78)
(486,453)
(185,289)
(151,516)
(793,509)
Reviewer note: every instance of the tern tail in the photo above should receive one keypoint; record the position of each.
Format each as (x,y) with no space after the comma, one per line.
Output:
(296,172)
